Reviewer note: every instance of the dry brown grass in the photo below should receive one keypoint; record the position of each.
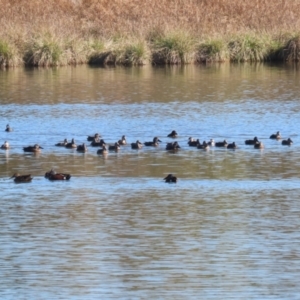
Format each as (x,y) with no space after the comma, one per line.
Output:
(21,20)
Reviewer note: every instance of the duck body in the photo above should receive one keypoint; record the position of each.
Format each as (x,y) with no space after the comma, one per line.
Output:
(170,179)
(21,178)
(172,146)
(232,145)
(259,145)
(71,145)
(82,148)
(193,143)
(52,175)
(103,150)
(62,144)
(122,141)
(97,143)
(203,146)
(211,143)
(173,134)
(5,146)
(251,142)
(8,128)
(287,142)
(275,136)
(36,148)
(221,144)
(154,143)
(115,147)
(96,136)
(137,145)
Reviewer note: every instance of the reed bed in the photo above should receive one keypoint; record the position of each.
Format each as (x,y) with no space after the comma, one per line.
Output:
(134,32)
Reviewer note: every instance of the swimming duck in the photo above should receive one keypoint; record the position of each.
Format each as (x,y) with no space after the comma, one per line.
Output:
(97,143)
(211,143)
(82,148)
(36,148)
(96,136)
(173,134)
(259,145)
(193,143)
(122,141)
(203,146)
(5,146)
(170,179)
(251,142)
(52,175)
(21,178)
(172,146)
(115,147)
(232,146)
(71,144)
(154,143)
(287,142)
(221,144)
(275,136)
(62,144)
(103,150)
(137,145)
(8,128)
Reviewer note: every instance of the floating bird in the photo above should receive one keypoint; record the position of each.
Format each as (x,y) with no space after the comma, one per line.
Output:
(287,142)
(36,148)
(122,141)
(275,136)
(71,145)
(170,179)
(115,147)
(137,145)
(193,143)
(82,148)
(173,134)
(203,146)
(221,144)
(251,142)
(8,128)
(102,151)
(259,145)
(154,143)
(232,146)
(96,136)
(5,146)
(97,143)
(211,143)
(62,144)
(52,175)
(21,178)
(172,146)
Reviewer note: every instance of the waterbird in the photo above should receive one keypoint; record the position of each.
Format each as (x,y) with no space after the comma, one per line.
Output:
(232,145)
(203,146)
(82,148)
(137,145)
(97,143)
(251,142)
(102,151)
(172,146)
(275,136)
(154,143)
(21,178)
(8,128)
(36,148)
(92,137)
(259,145)
(71,145)
(192,142)
(62,144)
(52,175)
(5,146)
(122,141)
(173,134)
(287,142)
(221,144)
(170,179)
(115,147)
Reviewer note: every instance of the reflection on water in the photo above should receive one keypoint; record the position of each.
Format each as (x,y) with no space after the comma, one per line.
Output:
(227,230)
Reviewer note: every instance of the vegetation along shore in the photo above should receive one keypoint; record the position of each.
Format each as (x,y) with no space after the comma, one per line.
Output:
(135,32)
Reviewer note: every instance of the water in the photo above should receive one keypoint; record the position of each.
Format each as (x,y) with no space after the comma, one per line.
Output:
(229,229)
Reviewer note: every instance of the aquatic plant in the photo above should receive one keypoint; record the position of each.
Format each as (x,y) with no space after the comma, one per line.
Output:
(212,50)
(9,56)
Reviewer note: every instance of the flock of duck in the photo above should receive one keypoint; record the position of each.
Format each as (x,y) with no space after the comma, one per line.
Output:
(96,141)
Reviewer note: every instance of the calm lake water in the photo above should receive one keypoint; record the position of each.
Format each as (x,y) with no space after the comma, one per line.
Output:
(229,228)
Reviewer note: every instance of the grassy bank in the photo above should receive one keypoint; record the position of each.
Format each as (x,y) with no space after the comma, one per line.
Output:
(134,32)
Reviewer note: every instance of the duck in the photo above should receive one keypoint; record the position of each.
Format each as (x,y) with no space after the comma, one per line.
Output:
(36,148)
(211,143)
(115,147)
(52,175)
(21,178)
(221,144)
(203,146)
(251,142)
(96,136)
(259,145)
(232,145)
(71,144)
(137,145)
(172,146)
(97,143)
(287,142)
(102,151)
(170,179)
(82,148)
(275,136)
(154,143)
(122,141)
(173,134)
(193,143)
(62,144)
(8,128)
(5,146)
